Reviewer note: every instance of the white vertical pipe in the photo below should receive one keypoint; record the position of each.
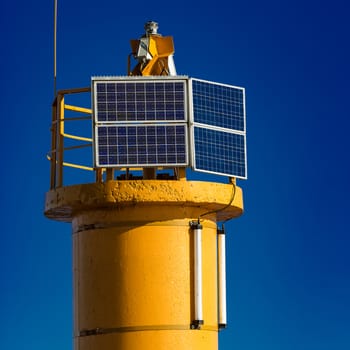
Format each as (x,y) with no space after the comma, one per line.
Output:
(198,283)
(222,278)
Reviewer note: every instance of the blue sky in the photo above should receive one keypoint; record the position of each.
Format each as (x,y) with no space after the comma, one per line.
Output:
(288,255)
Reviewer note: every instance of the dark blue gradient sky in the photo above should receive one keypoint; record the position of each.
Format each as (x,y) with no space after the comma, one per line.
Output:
(288,257)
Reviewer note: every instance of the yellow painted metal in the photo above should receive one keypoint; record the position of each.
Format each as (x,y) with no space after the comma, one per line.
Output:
(77,166)
(73,165)
(110,174)
(62,203)
(133,261)
(78,109)
(180,173)
(74,91)
(75,137)
(53,158)
(152,46)
(165,45)
(60,143)
(85,145)
(134,43)
(151,284)
(160,49)
(58,136)
(150,340)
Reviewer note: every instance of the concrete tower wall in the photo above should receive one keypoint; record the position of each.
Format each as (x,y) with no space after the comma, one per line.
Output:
(133,261)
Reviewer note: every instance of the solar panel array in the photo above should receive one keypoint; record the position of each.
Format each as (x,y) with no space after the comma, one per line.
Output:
(140,122)
(218,128)
(147,121)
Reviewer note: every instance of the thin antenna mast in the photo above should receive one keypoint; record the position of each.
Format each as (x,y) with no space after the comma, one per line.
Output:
(55,47)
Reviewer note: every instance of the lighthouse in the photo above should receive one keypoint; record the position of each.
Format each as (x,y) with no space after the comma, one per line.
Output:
(148,244)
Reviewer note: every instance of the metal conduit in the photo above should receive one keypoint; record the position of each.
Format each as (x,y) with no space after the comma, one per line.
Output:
(222,278)
(198,282)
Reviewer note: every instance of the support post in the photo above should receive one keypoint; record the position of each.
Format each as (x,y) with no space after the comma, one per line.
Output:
(60,140)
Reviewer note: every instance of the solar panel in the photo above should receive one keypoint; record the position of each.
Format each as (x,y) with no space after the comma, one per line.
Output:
(219,152)
(218,132)
(141,145)
(218,105)
(136,100)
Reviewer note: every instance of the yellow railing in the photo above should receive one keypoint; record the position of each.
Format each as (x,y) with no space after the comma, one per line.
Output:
(58,136)
(56,155)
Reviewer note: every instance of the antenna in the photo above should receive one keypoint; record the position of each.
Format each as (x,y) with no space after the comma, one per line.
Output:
(55,47)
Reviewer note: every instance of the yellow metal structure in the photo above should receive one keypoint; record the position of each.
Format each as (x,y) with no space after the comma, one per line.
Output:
(133,261)
(133,256)
(153,52)
(160,48)
(58,135)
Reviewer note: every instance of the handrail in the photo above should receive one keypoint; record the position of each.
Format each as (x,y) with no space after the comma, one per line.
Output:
(56,155)
(78,109)
(72,165)
(73,91)
(75,137)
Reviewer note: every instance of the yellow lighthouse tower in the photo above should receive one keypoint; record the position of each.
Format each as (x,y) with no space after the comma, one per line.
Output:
(148,257)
